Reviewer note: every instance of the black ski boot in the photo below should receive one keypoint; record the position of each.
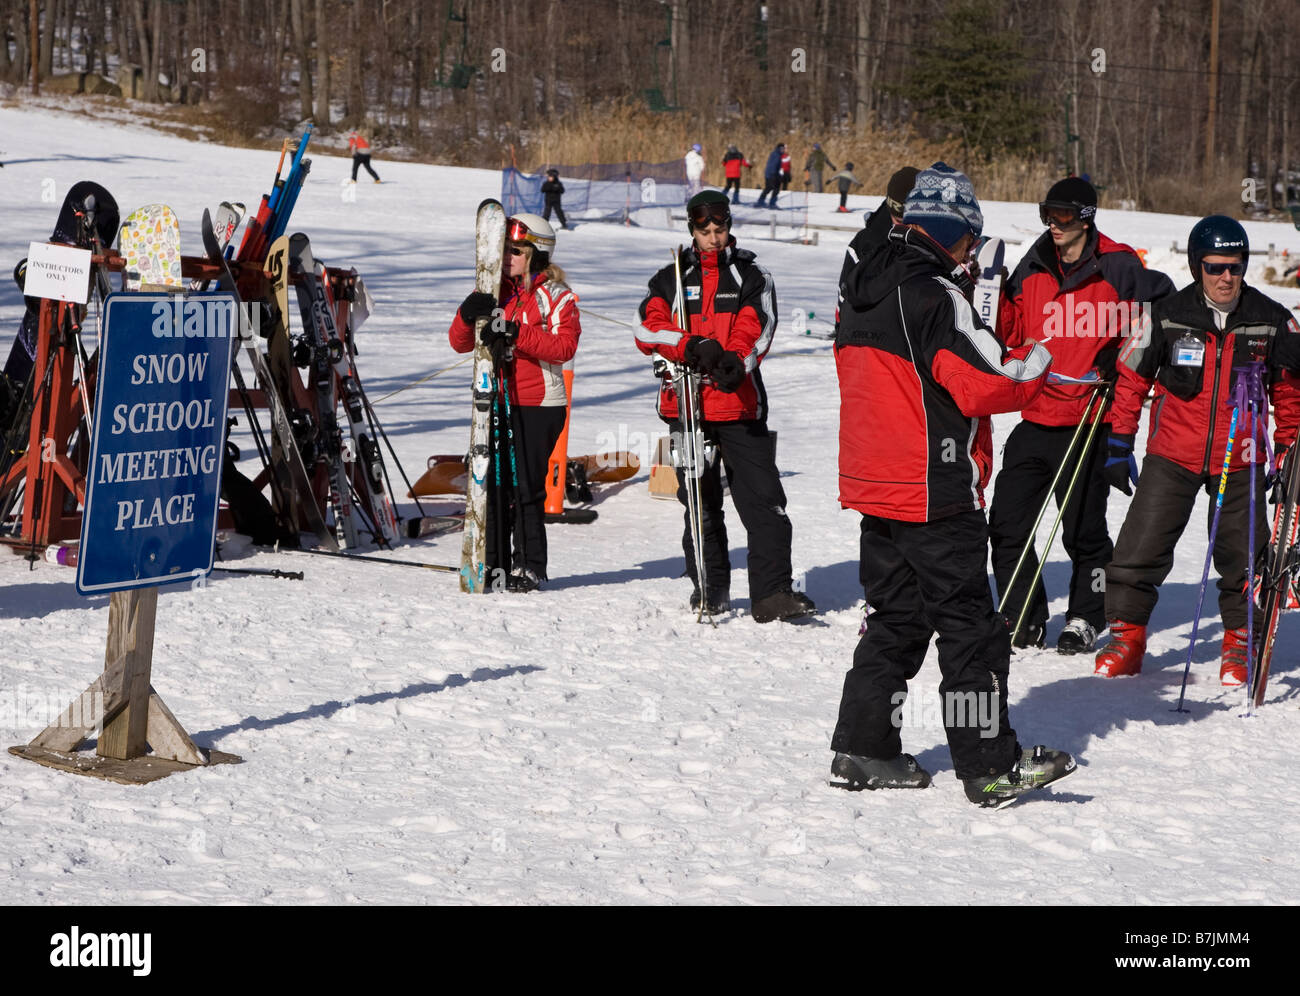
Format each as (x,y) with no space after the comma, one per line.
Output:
(782,605)
(1031,771)
(719,602)
(1031,635)
(859,772)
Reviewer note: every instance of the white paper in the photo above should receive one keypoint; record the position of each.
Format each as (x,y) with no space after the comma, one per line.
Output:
(61,273)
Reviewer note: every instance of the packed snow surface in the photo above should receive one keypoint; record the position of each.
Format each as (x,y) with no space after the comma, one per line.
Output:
(406,743)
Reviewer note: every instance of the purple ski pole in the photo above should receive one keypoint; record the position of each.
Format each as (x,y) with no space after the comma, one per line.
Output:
(1241,398)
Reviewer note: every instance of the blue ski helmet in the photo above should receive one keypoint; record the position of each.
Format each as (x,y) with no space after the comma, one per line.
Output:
(1216,235)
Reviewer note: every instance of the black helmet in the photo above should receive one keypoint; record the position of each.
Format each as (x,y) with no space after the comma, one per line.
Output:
(1071,194)
(1216,235)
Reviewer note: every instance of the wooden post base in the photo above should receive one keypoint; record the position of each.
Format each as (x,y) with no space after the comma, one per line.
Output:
(123,707)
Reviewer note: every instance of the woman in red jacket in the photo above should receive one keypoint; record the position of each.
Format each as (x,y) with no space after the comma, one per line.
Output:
(533,333)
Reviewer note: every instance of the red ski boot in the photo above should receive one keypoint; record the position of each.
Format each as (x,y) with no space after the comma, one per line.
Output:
(1123,655)
(1232,660)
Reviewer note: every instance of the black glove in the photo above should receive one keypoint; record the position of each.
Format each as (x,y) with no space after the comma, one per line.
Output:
(1121,465)
(477,305)
(728,372)
(499,337)
(1104,362)
(701,352)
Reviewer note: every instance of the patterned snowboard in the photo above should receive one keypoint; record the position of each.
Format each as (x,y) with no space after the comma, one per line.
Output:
(150,241)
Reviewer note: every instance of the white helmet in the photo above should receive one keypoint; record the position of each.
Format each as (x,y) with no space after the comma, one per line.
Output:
(533,229)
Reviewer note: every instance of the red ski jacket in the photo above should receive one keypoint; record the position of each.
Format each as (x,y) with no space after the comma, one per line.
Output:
(358,145)
(919,376)
(731,165)
(547,314)
(729,297)
(1076,315)
(1189,360)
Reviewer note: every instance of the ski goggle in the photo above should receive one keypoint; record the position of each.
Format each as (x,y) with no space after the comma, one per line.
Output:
(517,231)
(703,214)
(1219,269)
(1060,217)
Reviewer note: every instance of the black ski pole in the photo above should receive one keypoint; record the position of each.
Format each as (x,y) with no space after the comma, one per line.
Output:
(259,572)
(379,560)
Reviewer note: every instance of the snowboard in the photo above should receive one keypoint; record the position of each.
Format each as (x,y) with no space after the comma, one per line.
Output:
(990,257)
(1277,578)
(287,463)
(447,475)
(489,248)
(224,223)
(150,242)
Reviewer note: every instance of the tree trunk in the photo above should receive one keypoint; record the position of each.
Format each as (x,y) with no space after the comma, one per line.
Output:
(322,67)
(303,48)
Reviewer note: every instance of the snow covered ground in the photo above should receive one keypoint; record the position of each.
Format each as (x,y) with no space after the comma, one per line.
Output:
(405,743)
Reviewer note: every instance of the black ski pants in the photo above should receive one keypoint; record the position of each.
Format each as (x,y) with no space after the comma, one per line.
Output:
(773,187)
(1031,459)
(925,578)
(733,186)
(1157,516)
(535,431)
(553,204)
(360,159)
(746,450)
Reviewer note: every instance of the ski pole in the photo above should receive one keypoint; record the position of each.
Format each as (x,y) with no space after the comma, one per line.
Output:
(1102,393)
(1254,377)
(257,572)
(379,560)
(1237,402)
(1047,499)
(416,383)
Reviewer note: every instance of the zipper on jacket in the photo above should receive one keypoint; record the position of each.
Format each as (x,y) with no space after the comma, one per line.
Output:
(1214,398)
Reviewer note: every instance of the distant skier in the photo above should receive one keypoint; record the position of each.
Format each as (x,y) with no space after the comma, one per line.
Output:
(787,165)
(694,170)
(771,177)
(360,149)
(731,306)
(537,334)
(846,180)
(924,357)
(732,163)
(1187,352)
(552,191)
(816,165)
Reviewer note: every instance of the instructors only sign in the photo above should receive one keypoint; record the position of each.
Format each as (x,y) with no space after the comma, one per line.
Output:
(153,485)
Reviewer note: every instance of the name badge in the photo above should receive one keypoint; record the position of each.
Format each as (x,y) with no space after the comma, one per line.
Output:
(1189,352)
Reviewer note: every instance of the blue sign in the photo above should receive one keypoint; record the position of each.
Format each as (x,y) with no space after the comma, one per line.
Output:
(153,484)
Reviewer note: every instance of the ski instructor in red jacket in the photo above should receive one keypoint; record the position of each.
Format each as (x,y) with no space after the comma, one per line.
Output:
(538,335)
(1188,351)
(731,309)
(1076,292)
(919,377)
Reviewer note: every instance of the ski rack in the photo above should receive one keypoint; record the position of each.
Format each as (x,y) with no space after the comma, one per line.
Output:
(50,513)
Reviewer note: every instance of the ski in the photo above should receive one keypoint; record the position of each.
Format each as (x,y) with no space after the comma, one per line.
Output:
(224,224)
(290,472)
(326,350)
(489,248)
(317,307)
(990,258)
(1277,579)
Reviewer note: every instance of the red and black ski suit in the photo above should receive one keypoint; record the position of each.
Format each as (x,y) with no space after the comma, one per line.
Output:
(1080,312)
(919,377)
(1189,359)
(546,312)
(730,298)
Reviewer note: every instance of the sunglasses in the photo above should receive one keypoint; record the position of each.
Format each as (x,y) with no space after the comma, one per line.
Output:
(1218,269)
(718,214)
(518,250)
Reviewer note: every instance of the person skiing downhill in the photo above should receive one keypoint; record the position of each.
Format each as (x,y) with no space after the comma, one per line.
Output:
(1190,351)
(1075,291)
(731,304)
(533,332)
(919,351)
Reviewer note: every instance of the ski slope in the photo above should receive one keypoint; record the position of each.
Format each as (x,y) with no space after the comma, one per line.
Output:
(406,743)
